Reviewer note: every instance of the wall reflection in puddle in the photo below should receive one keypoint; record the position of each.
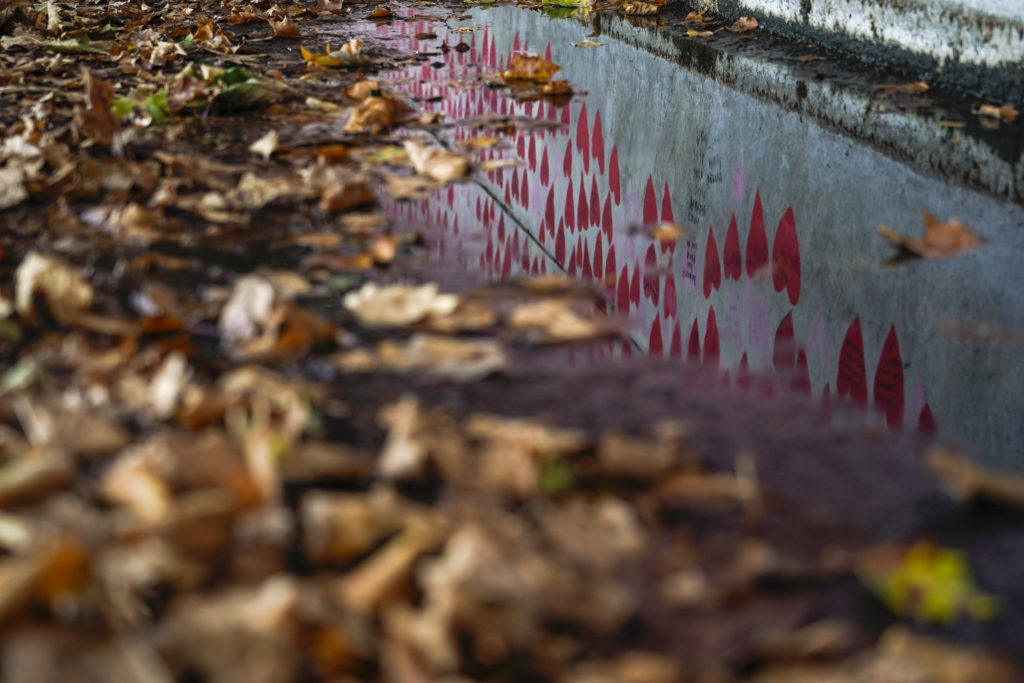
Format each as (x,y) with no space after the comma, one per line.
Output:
(780,284)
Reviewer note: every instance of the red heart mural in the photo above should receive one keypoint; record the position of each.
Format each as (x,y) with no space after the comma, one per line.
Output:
(786,258)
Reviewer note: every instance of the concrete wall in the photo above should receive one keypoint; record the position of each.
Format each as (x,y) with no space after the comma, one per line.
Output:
(974,45)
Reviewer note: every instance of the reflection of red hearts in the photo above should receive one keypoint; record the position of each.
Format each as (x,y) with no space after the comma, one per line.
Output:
(583,138)
(743,377)
(783,357)
(654,344)
(675,347)
(595,201)
(712,267)
(802,379)
(622,293)
(549,209)
(711,338)
(926,422)
(666,207)
(693,348)
(786,258)
(560,244)
(888,388)
(670,297)
(613,175)
(757,241)
(606,217)
(650,203)
(731,259)
(582,207)
(545,172)
(568,212)
(597,142)
(852,378)
(651,275)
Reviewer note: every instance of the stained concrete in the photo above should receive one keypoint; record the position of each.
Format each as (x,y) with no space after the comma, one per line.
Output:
(973,45)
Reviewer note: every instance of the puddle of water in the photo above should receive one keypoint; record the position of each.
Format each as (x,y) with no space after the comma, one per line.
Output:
(781,284)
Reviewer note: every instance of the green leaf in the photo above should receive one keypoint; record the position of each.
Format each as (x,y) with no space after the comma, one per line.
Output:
(72,46)
(556,476)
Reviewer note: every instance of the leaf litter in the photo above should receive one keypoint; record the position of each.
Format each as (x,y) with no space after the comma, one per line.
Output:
(218,468)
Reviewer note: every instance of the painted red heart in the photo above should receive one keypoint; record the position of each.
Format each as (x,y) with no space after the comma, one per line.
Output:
(786,258)
(545,172)
(732,261)
(651,275)
(711,338)
(888,389)
(851,380)
(670,304)
(654,343)
(583,138)
(597,143)
(567,159)
(693,347)
(595,201)
(757,240)
(926,421)
(634,288)
(582,208)
(712,266)
(622,291)
(650,203)
(783,353)
(568,211)
(606,217)
(675,347)
(614,185)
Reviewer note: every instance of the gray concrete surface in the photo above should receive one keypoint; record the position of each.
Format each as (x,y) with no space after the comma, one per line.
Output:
(974,45)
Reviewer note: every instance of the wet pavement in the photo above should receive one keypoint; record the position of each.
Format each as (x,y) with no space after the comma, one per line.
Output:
(782,176)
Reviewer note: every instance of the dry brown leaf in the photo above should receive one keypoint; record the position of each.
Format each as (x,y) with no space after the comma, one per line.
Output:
(641,8)
(360,90)
(344,196)
(285,27)
(331,6)
(381,12)
(439,164)
(743,25)
(97,120)
(556,321)
(266,145)
(699,34)
(399,305)
(529,69)
(1005,112)
(967,479)
(375,115)
(695,18)
(461,360)
(940,241)
(66,291)
(915,88)
(668,232)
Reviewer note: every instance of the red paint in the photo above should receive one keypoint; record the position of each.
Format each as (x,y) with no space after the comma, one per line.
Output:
(568,212)
(926,421)
(524,190)
(634,288)
(712,266)
(609,267)
(675,347)
(786,258)
(888,388)
(531,155)
(595,201)
(549,209)
(667,215)
(597,143)
(622,293)
(586,271)
(670,297)
(598,259)
(567,159)
(613,175)
(693,348)
(732,261)
(583,138)
(547,52)
(654,344)
(783,356)
(650,275)
(545,172)
(711,338)
(851,380)
(650,203)
(582,208)
(757,241)
(560,243)
(606,218)
(802,378)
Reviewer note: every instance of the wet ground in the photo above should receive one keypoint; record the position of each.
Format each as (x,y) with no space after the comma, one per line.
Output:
(782,168)
(703,456)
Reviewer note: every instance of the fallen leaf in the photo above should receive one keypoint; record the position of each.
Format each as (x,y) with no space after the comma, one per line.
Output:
(439,164)
(1005,112)
(641,8)
(374,115)
(968,480)
(694,18)
(266,145)
(443,357)
(742,25)
(285,27)
(66,291)
(529,69)
(381,12)
(399,305)
(587,43)
(97,120)
(555,320)
(915,88)
(940,241)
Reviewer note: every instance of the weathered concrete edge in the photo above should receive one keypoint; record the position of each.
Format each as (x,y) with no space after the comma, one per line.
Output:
(945,44)
(914,138)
